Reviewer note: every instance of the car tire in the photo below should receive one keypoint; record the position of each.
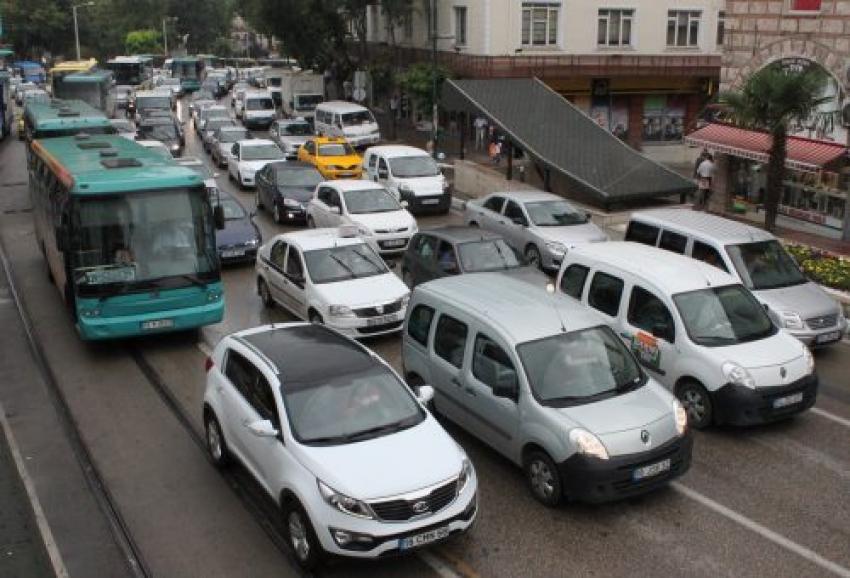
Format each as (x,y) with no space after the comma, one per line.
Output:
(277,215)
(300,536)
(544,479)
(697,402)
(311,224)
(532,257)
(315,317)
(264,293)
(216,446)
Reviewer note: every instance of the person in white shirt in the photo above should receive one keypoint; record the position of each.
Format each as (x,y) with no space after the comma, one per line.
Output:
(705,173)
(480,125)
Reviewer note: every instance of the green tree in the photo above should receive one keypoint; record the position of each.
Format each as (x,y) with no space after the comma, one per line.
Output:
(771,100)
(418,82)
(143,42)
(36,26)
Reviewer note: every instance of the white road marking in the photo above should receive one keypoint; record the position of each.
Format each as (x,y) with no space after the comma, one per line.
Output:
(53,553)
(763,531)
(831,416)
(437,565)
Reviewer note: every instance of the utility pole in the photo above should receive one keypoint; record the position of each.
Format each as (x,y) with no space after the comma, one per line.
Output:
(165,22)
(434,111)
(76,28)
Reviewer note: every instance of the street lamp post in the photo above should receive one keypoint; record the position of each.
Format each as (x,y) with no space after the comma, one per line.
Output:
(165,32)
(76,28)
(434,111)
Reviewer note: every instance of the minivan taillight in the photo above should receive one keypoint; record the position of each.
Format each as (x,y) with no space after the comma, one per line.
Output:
(208,364)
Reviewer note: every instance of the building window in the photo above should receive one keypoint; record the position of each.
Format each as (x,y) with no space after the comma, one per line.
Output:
(540,23)
(615,27)
(683,27)
(805,5)
(407,26)
(721,27)
(460,25)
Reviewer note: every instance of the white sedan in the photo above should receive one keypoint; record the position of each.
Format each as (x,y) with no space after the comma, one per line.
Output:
(246,157)
(333,277)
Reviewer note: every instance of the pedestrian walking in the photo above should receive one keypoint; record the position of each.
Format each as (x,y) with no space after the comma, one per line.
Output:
(705,173)
(494,151)
(480,125)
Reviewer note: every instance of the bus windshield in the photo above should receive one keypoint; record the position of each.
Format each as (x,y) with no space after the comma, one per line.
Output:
(91,93)
(127,74)
(141,241)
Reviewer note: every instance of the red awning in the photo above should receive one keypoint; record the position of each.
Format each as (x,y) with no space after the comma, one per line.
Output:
(803,154)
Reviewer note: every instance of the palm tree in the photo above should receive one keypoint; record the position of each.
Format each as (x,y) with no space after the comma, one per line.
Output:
(771,100)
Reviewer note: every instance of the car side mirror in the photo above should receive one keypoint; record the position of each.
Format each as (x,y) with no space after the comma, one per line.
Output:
(218,217)
(262,428)
(425,393)
(404,204)
(519,221)
(506,386)
(335,210)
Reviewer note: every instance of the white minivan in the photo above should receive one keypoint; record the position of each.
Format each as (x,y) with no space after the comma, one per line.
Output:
(696,329)
(355,123)
(411,175)
(258,109)
(546,383)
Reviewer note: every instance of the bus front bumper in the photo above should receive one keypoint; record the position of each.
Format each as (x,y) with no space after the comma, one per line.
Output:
(96,328)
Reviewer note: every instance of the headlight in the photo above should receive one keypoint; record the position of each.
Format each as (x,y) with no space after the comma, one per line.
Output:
(681,416)
(555,247)
(790,320)
(810,360)
(332,167)
(405,301)
(175,147)
(343,503)
(465,475)
(292,203)
(588,444)
(738,375)
(364,231)
(252,243)
(340,311)
(405,189)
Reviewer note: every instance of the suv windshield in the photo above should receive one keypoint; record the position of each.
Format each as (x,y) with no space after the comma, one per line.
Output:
(579,367)
(305,102)
(370,201)
(162,132)
(357,118)
(350,407)
(554,214)
(723,316)
(261,153)
(343,263)
(491,255)
(298,177)
(259,104)
(765,265)
(296,129)
(335,150)
(145,102)
(411,167)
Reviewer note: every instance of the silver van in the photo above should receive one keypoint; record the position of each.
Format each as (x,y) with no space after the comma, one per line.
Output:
(545,382)
(756,259)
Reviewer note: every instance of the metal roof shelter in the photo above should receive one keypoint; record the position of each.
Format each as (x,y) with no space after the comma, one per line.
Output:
(563,139)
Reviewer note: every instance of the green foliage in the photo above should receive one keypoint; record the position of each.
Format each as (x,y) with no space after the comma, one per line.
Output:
(33,26)
(143,42)
(418,81)
(822,267)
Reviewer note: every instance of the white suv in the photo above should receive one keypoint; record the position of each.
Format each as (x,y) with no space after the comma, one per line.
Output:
(354,460)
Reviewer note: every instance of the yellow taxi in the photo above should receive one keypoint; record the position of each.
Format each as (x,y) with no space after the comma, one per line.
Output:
(334,157)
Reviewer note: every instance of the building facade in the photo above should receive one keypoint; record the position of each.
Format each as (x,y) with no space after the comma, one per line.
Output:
(641,68)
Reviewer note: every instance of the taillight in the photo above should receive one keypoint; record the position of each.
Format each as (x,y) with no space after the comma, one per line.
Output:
(208,364)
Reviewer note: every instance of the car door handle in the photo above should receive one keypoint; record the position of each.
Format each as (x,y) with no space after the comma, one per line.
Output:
(456,381)
(470,391)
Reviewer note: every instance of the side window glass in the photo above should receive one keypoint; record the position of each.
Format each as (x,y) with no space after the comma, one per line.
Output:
(240,372)
(325,195)
(382,166)
(514,212)
(373,159)
(427,247)
(491,365)
(605,293)
(708,254)
(572,282)
(447,260)
(648,312)
(642,233)
(263,401)
(293,263)
(278,253)
(673,242)
(334,196)
(494,204)
(419,324)
(450,340)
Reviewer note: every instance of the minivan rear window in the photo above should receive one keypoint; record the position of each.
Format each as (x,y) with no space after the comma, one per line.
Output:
(674,242)
(642,233)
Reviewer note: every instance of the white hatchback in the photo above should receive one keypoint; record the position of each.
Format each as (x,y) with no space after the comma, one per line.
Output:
(355,462)
(246,157)
(333,277)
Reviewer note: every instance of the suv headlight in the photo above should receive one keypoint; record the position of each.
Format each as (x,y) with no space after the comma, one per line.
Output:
(681,416)
(809,359)
(790,320)
(343,503)
(405,189)
(556,247)
(340,311)
(465,475)
(738,375)
(588,444)
(292,203)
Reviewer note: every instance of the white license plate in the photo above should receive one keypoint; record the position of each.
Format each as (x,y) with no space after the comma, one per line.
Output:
(651,470)
(395,243)
(158,324)
(423,538)
(430,201)
(232,253)
(828,337)
(382,320)
(787,400)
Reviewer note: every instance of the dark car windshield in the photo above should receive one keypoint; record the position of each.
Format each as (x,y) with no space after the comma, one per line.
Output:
(370,201)
(261,153)
(232,135)
(721,316)
(343,263)
(414,166)
(232,210)
(296,129)
(489,255)
(143,102)
(306,177)
(335,150)
(765,265)
(579,367)
(259,104)
(350,407)
(215,123)
(554,214)
(166,132)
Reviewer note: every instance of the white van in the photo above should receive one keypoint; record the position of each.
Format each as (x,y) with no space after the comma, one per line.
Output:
(411,175)
(355,123)
(546,383)
(696,329)
(756,259)
(258,109)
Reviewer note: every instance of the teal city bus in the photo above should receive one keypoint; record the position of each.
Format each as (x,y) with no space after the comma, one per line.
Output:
(96,88)
(58,118)
(128,236)
(190,71)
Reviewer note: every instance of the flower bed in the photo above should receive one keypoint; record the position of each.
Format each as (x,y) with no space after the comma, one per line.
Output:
(823,267)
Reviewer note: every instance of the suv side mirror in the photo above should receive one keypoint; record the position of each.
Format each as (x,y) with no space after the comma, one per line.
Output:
(218,217)
(425,393)
(335,210)
(262,428)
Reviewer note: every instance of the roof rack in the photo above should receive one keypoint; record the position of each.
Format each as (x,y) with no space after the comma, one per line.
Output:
(92,145)
(108,152)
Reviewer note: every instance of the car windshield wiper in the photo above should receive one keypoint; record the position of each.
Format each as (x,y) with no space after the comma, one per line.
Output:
(369,259)
(715,339)
(343,264)
(373,431)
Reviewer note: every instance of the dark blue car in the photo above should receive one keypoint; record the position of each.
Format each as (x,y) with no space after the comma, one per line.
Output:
(239,240)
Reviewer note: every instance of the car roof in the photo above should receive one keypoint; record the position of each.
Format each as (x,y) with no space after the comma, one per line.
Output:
(344,185)
(320,140)
(258,94)
(307,353)
(523,311)
(292,165)
(461,234)
(251,142)
(341,106)
(726,231)
(530,195)
(325,238)
(670,272)
(391,151)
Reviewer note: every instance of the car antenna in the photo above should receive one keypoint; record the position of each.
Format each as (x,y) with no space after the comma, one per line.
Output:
(550,289)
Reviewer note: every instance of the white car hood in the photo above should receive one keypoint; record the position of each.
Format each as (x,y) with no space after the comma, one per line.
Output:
(419,457)
(778,349)
(254,166)
(363,292)
(572,235)
(626,412)
(806,299)
(424,186)
(391,220)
